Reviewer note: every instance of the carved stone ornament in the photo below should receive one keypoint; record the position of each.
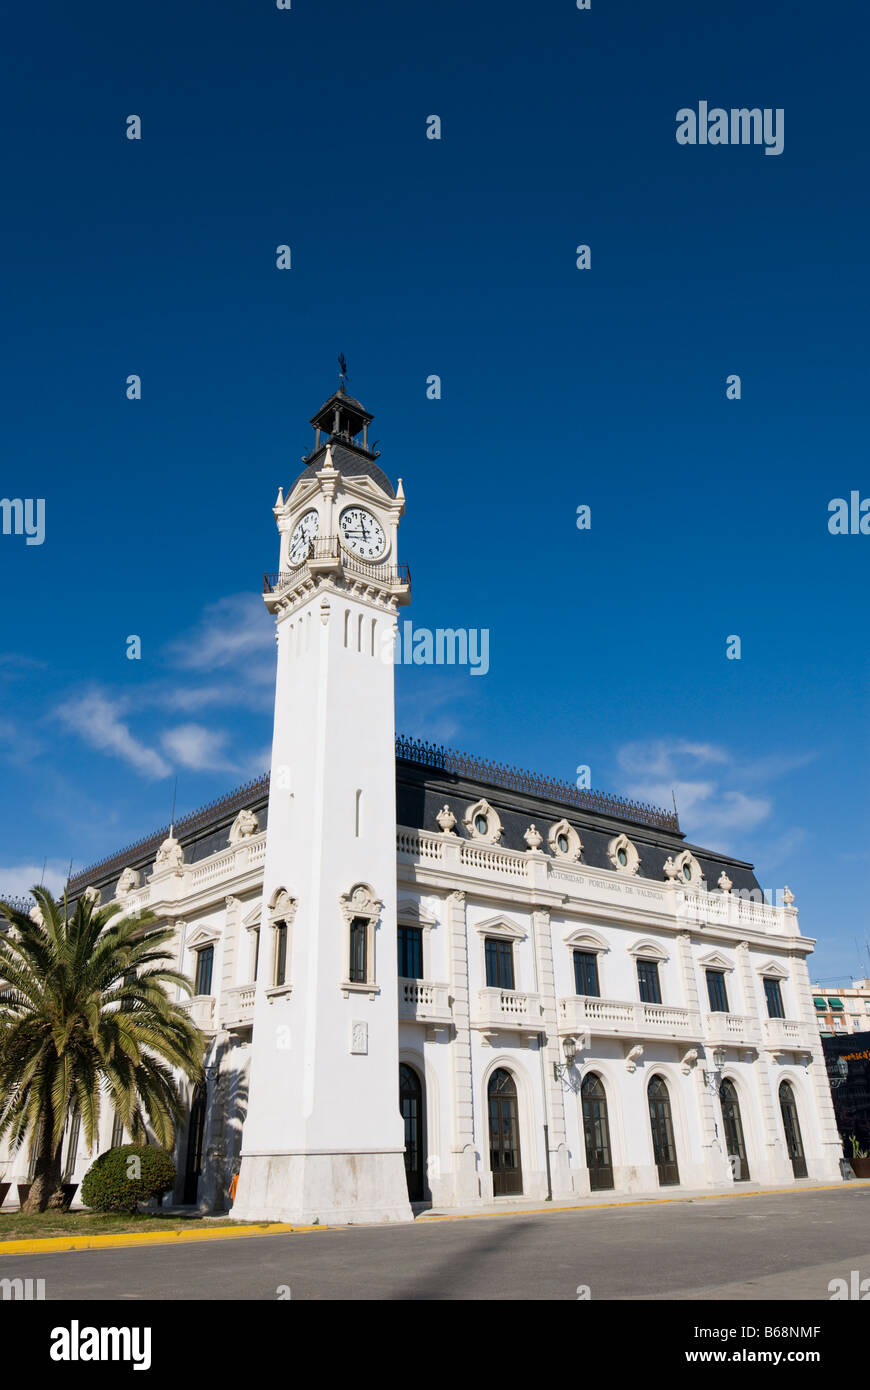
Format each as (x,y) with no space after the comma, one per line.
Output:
(91,895)
(684,870)
(446,820)
(533,838)
(360,902)
(478,815)
(633,1057)
(35,915)
(170,854)
(689,1061)
(564,841)
(623,855)
(725,882)
(126,883)
(243,827)
(788,896)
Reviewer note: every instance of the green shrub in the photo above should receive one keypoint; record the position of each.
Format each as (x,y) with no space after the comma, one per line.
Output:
(121,1178)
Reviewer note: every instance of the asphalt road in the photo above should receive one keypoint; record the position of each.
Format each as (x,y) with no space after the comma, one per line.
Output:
(783,1247)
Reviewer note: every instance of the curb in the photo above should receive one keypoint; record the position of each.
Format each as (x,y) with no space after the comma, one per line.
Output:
(49,1245)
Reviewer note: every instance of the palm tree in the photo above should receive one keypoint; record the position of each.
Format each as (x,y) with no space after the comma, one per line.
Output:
(85,1016)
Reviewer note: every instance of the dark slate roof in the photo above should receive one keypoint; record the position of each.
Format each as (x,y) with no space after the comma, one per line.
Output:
(352,463)
(422,791)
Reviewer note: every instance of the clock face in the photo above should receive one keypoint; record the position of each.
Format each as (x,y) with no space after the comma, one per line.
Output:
(362,533)
(304,532)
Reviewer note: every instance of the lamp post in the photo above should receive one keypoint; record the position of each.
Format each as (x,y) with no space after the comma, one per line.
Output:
(569,1048)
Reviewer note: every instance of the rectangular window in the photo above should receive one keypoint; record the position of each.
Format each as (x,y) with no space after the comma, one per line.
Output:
(411,953)
(716,992)
(358,950)
(648,981)
(280,953)
(204,965)
(256,952)
(499,963)
(117,1131)
(773,995)
(586,973)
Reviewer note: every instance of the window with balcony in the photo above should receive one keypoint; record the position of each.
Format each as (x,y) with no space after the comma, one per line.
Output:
(280,953)
(411,953)
(648,982)
(204,967)
(499,963)
(773,995)
(358,971)
(716,991)
(586,973)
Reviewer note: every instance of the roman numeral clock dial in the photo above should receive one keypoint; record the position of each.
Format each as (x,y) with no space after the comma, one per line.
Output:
(362,533)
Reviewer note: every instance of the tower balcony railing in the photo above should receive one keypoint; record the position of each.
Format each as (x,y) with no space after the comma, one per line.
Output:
(329,552)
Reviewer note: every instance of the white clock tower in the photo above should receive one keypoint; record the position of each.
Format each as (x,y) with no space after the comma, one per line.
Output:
(323,1137)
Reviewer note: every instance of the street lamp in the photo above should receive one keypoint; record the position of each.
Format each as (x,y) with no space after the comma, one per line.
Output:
(569,1047)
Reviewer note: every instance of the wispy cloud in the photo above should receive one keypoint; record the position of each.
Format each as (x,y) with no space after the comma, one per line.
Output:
(233,632)
(16,880)
(719,797)
(98,719)
(196,747)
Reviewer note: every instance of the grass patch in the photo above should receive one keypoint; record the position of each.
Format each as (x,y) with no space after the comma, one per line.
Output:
(15,1226)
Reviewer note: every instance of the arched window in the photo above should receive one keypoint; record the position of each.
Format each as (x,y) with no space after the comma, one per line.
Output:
(662,1126)
(411,1106)
(504,1135)
(195,1134)
(735,1146)
(790,1123)
(597,1133)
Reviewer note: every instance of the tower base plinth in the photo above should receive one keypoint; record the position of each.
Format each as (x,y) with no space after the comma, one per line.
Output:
(326,1189)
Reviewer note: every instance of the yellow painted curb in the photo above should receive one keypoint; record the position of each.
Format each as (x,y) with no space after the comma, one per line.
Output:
(642,1202)
(55,1244)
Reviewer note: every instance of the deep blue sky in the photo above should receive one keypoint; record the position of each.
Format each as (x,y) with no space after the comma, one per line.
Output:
(561,387)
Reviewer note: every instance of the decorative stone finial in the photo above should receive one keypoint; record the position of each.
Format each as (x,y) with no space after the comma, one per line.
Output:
(724,882)
(788,896)
(446,820)
(533,838)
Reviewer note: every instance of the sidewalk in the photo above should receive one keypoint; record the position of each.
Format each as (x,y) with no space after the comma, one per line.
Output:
(594,1201)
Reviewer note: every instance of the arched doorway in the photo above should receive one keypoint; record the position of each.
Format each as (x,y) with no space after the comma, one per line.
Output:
(662,1125)
(790,1123)
(735,1146)
(195,1133)
(411,1106)
(504,1135)
(597,1133)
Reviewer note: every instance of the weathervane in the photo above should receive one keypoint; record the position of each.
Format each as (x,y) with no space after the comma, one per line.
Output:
(343,365)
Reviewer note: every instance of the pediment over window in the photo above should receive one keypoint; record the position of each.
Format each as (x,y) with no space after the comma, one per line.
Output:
(774,969)
(411,912)
(714,960)
(648,950)
(501,926)
(253,917)
(583,940)
(202,936)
